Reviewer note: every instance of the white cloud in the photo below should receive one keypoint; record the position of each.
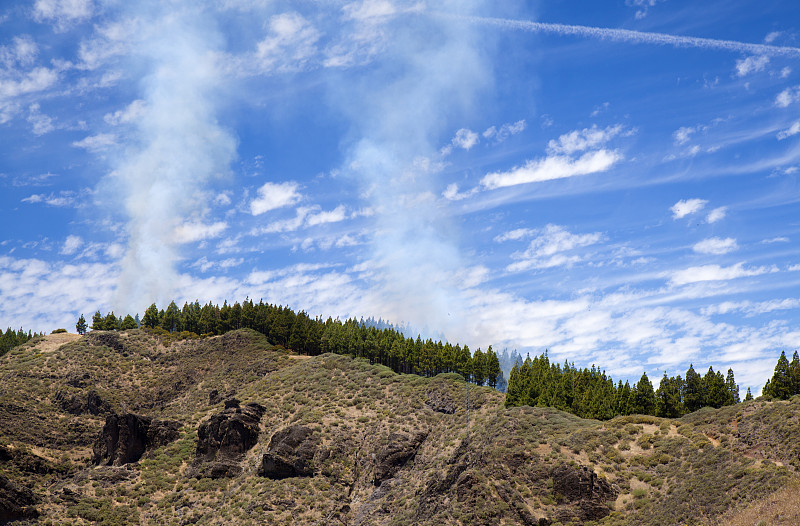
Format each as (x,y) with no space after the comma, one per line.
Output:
(770,38)
(582,140)
(333,216)
(752,308)
(63,198)
(787,97)
(38,79)
(95,143)
(514,235)
(715,245)
(553,246)
(683,134)
(794,129)
(41,123)
(465,139)
(62,12)
(451,193)
(205,265)
(716,273)
(751,65)
(775,240)
(129,114)
(785,72)
(222,199)
(685,207)
(553,167)
(195,231)
(42,295)
(642,6)
(290,44)
(305,216)
(717,214)
(505,131)
(274,195)
(71,245)
(22,53)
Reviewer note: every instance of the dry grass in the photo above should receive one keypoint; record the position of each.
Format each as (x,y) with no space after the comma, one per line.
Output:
(781,508)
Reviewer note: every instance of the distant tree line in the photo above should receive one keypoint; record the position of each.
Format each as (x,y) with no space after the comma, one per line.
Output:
(785,382)
(312,336)
(590,393)
(12,338)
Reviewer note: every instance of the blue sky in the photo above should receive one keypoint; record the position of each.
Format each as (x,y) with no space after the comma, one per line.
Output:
(616,182)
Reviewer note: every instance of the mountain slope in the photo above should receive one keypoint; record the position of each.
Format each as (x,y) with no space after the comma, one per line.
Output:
(334,440)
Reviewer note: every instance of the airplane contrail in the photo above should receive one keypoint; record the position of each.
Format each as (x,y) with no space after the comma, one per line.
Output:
(627,35)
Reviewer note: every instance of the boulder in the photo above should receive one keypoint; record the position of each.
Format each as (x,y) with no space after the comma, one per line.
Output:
(79,404)
(588,494)
(400,449)
(16,502)
(125,438)
(290,454)
(223,440)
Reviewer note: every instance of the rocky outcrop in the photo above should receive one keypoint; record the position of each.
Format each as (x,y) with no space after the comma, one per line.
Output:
(587,494)
(290,454)
(401,448)
(223,440)
(16,502)
(125,438)
(215,397)
(439,399)
(109,339)
(79,404)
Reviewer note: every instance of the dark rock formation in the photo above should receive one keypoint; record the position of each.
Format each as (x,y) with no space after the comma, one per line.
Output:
(400,449)
(79,380)
(438,398)
(223,440)
(588,494)
(290,454)
(16,502)
(81,404)
(106,338)
(125,438)
(215,397)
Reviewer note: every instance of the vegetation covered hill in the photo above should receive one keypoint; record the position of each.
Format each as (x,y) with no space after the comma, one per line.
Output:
(134,427)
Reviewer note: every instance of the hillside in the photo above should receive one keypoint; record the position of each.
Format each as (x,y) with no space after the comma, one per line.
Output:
(128,428)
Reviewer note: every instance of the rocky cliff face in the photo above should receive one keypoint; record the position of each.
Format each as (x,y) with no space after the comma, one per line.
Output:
(223,440)
(125,438)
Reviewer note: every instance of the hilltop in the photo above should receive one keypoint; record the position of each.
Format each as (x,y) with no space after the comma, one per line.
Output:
(134,427)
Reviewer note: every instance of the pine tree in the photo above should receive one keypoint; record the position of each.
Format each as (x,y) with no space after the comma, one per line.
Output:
(128,323)
(748,396)
(171,318)
(716,392)
(693,395)
(643,399)
(81,326)
(493,372)
(110,322)
(668,398)
(733,389)
(794,373)
(780,385)
(478,367)
(150,319)
(97,321)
